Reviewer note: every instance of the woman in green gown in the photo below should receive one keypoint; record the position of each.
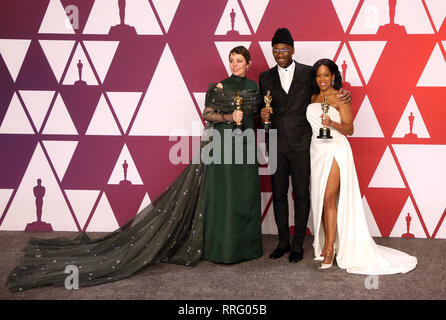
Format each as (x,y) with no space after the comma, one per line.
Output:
(232,220)
(210,212)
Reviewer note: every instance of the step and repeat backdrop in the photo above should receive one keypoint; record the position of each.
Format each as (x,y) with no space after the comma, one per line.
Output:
(95,93)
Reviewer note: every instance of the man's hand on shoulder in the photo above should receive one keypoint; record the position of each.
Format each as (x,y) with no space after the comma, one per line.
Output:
(344,96)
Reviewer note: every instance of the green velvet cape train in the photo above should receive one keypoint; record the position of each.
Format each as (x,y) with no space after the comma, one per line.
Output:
(170,229)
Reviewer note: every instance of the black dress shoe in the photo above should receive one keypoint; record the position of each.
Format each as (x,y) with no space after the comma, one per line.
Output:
(296,256)
(278,252)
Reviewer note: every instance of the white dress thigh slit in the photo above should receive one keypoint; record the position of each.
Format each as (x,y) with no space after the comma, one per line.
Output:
(356,251)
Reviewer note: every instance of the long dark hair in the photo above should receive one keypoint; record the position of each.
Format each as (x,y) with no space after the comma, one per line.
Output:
(333,69)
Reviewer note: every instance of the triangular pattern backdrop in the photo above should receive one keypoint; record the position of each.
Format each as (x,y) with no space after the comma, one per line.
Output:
(92,90)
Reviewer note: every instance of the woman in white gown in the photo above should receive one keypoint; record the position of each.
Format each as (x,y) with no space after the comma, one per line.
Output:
(340,228)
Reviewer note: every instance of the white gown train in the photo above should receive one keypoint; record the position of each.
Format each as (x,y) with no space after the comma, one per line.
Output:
(356,251)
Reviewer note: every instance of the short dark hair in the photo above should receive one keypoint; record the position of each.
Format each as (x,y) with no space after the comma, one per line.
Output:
(241,50)
(334,69)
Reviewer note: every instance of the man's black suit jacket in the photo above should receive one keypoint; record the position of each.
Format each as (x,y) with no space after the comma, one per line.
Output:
(289,110)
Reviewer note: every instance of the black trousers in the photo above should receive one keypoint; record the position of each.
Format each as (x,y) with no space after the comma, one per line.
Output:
(296,164)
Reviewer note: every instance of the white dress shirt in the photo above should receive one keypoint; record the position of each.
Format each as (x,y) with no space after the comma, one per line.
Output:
(286,76)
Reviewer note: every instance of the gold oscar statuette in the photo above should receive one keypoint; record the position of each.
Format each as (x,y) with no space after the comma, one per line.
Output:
(238,106)
(267,99)
(324,132)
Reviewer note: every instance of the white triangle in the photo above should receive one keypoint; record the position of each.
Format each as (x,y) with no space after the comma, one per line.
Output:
(59,121)
(422,166)
(57,53)
(200,97)
(72,74)
(23,207)
(15,120)
(386,174)
(255,9)
(37,104)
(352,74)
(345,10)
(103,15)
(432,75)
(437,10)
(103,219)
(145,202)
(124,104)
(82,202)
(178,110)
(166,11)
(132,171)
(13,52)
(138,13)
(415,226)
(406,11)
(60,153)
(371,222)
(268,53)
(5,195)
(102,122)
(403,127)
(101,54)
(240,24)
(375,13)
(367,54)
(308,52)
(224,47)
(372,15)
(56,19)
(366,125)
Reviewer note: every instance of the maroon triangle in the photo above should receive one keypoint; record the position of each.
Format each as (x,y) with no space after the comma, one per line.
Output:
(23,18)
(134,64)
(93,162)
(390,101)
(302,18)
(36,73)
(84,9)
(151,157)
(19,149)
(386,205)
(124,200)
(367,154)
(81,102)
(428,101)
(7,85)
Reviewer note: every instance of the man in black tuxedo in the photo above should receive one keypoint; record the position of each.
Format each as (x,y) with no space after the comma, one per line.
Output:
(291,87)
